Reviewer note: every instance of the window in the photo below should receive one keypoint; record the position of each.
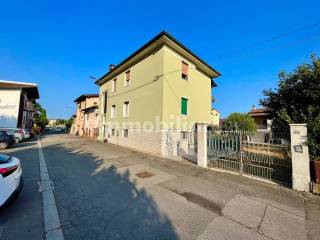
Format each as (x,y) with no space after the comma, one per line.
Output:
(114,85)
(113,111)
(95,103)
(125,133)
(184,106)
(126,109)
(185,67)
(112,132)
(184,135)
(105,102)
(127,78)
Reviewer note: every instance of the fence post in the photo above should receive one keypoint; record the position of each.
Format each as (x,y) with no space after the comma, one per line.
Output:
(300,158)
(202,158)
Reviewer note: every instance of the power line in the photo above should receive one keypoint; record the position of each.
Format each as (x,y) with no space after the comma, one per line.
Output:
(282,46)
(273,38)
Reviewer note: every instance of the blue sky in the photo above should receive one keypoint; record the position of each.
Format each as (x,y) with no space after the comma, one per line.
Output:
(58,44)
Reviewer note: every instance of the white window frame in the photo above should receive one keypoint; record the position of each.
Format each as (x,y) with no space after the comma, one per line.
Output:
(126,109)
(113,111)
(123,131)
(114,85)
(127,83)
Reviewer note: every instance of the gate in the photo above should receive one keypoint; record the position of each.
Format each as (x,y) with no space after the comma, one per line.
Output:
(261,154)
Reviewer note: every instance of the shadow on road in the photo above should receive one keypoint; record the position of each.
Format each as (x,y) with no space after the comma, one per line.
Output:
(97,202)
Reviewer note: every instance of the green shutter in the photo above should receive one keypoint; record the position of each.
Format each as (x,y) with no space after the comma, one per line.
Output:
(184,106)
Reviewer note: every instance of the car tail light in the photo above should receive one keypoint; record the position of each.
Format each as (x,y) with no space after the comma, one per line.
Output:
(7,170)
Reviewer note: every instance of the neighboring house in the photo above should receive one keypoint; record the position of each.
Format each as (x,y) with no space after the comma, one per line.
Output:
(153,99)
(52,122)
(86,122)
(215,117)
(261,117)
(17,104)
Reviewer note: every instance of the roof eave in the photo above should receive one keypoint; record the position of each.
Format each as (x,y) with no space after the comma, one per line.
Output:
(155,40)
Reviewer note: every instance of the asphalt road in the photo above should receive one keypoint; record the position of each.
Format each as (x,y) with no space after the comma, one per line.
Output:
(106,192)
(22,218)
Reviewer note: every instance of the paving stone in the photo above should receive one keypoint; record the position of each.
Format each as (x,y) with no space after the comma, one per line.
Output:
(281,225)
(157,178)
(245,211)
(226,229)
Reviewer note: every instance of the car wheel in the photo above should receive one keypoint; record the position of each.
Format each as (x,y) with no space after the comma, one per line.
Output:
(3,145)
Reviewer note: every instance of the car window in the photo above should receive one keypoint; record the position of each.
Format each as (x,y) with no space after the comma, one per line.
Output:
(4,158)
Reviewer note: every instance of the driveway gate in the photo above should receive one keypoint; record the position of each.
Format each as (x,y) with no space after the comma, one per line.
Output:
(261,154)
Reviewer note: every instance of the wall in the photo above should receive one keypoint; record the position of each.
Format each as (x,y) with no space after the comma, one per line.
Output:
(79,120)
(143,93)
(197,89)
(9,107)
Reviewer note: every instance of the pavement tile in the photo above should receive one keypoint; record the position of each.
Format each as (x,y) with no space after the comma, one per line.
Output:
(157,178)
(281,225)
(226,229)
(244,210)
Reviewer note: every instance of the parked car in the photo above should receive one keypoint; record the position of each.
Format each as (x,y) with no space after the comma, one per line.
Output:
(6,139)
(59,130)
(16,132)
(30,133)
(11,181)
(26,134)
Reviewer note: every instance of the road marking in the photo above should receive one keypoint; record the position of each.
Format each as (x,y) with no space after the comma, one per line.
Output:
(51,219)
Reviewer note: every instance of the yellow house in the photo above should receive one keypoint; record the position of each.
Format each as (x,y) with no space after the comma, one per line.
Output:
(152,100)
(215,117)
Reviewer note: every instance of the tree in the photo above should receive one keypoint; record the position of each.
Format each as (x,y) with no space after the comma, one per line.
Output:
(239,122)
(40,116)
(69,122)
(297,100)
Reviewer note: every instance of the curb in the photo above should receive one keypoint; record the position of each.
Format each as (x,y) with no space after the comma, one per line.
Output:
(52,225)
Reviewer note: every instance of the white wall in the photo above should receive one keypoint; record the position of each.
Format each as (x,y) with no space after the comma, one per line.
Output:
(9,107)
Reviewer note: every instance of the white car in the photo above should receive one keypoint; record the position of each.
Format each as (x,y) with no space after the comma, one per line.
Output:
(11,181)
(26,134)
(17,132)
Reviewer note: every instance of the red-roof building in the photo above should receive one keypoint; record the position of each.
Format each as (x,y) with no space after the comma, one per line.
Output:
(261,117)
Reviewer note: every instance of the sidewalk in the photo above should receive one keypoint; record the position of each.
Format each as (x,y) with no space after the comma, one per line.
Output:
(197,203)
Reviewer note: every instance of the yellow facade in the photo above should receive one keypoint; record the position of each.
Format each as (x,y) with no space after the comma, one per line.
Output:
(154,96)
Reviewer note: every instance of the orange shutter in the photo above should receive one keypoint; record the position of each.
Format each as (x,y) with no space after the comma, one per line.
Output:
(185,68)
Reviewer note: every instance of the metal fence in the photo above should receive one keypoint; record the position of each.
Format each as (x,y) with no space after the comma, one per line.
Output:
(262,154)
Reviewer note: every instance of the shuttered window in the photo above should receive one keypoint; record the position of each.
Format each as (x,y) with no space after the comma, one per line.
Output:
(114,85)
(184,70)
(105,102)
(184,106)
(127,79)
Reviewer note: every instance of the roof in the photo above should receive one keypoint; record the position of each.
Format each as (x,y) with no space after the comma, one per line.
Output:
(84,96)
(89,108)
(259,112)
(161,39)
(30,88)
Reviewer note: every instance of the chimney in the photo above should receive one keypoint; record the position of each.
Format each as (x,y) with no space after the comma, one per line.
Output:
(253,107)
(111,67)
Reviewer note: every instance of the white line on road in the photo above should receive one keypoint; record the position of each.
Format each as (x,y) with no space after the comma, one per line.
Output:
(52,224)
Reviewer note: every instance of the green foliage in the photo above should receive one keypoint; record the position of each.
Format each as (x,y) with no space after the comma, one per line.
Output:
(60,122)
(297,100)
(40,116)
(69,122)
(239,122)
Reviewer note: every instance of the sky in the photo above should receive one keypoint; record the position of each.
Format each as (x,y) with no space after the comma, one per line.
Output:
(58,44)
